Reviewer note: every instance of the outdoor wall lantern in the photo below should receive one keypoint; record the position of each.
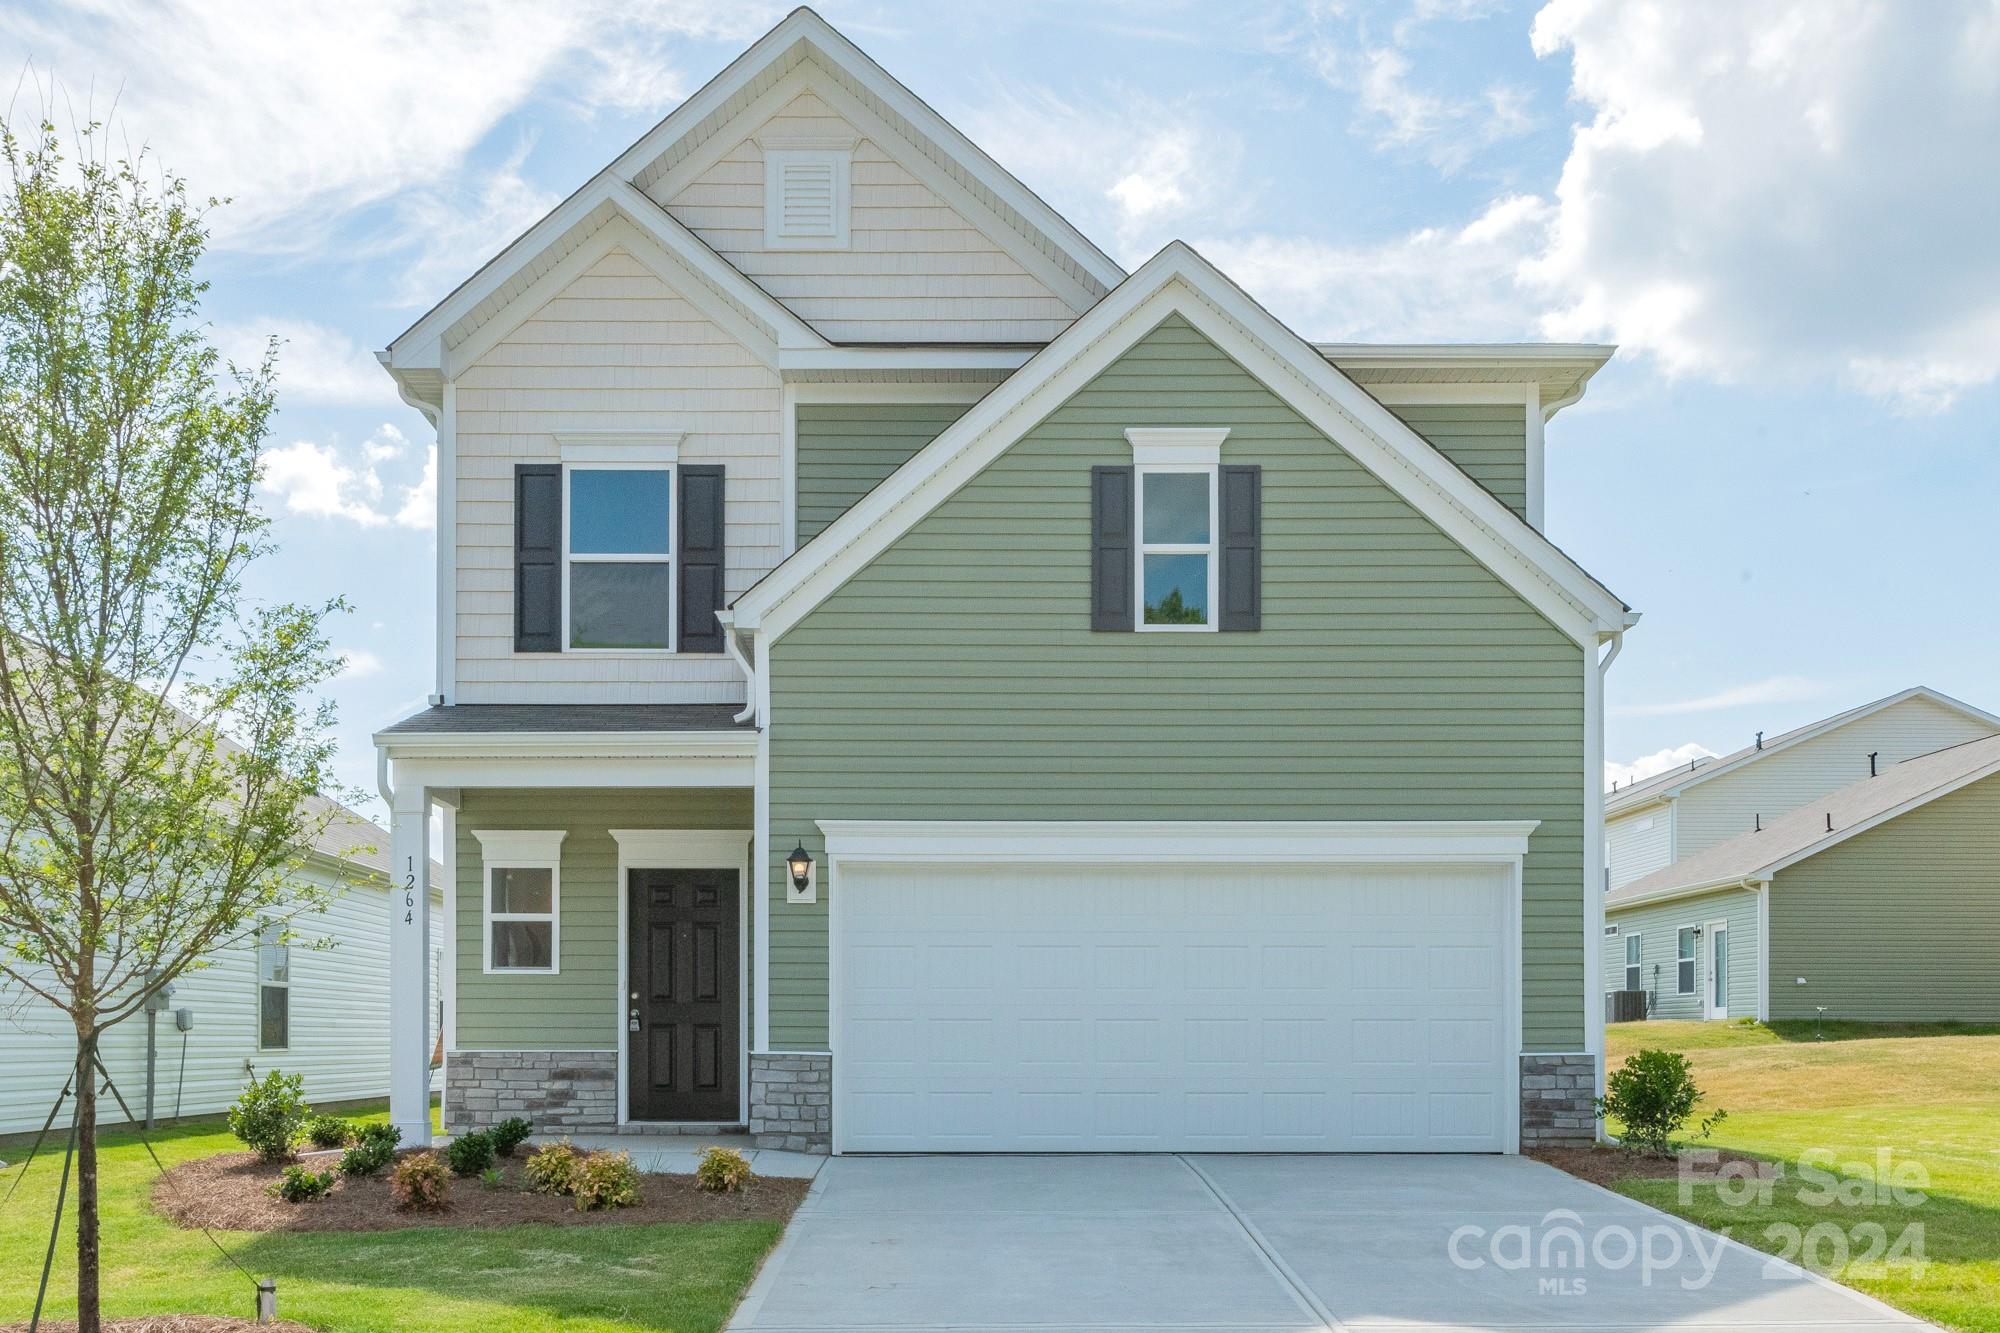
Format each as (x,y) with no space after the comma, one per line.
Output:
(800,864)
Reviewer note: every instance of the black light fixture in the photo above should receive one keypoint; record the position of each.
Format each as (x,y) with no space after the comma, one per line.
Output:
(800,863)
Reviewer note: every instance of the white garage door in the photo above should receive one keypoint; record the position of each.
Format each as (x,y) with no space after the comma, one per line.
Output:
(1166,1008)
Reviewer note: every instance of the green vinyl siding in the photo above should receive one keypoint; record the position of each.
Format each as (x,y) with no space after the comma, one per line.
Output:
(1659,925)
(1898,923)
(846,449)
(956,677)
(1488,441)
(572,1010)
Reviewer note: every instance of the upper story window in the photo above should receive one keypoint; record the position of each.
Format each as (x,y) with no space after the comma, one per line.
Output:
(619,562)
(1176,548)
(807,193)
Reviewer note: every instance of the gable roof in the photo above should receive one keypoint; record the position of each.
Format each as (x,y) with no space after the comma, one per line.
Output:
(420,358)
(1180,281)
(1821,824)
(1664,786)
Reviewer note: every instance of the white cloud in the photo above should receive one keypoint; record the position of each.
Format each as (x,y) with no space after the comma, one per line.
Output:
(1125,165)
(316,364)
(326,481)
(307,113)
(357,664)
(1774,690)
(447,230)
(1786,189)
(1645,766)
(1459,282)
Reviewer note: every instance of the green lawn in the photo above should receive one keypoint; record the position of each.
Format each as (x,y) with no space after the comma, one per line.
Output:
(596,1279)
(1929,1094)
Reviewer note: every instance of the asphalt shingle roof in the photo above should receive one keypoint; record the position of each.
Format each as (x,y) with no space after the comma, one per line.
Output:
(1749,854)
(469,719)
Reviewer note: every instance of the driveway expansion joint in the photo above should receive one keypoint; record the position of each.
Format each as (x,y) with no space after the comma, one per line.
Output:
(1302,1293)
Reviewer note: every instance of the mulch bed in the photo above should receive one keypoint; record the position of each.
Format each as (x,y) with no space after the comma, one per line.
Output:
(168,1323)
(228,1192)
(1606,1166)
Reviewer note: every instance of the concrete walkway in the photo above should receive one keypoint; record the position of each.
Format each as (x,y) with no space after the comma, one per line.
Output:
(1260,1243)
(677,1154)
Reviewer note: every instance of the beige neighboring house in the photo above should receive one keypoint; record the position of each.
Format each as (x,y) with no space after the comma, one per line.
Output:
(1877,902)
(1672,816)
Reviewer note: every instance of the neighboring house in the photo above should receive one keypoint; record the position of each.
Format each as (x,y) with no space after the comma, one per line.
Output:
(1880,901)
(258,1005)
(1186,734)
(1674,815)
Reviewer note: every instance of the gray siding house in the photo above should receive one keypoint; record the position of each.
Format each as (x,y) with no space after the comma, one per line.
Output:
(1877,902)
(907,683)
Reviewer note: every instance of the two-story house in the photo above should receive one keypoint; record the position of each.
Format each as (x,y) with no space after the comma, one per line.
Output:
(1848,867)
(907,683)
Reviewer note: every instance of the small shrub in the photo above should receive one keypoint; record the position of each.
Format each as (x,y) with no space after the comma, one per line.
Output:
(329,1131)
(419,1183)
(298,1185)
(553,1168)
(366,1157)
(722,1171)
(509,1135)
(469,1154)
(1652,1095)
(270,1114)
(379,1131)
(607,1180)
(492,1178)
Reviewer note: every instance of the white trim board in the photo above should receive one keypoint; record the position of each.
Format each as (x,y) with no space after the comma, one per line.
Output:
(1178,281)
(1124,842)
(683,849)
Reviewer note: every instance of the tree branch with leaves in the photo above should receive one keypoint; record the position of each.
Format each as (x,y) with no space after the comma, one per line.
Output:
(164,757)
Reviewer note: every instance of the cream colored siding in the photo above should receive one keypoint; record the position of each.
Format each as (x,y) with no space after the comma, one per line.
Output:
(617,350)
(1639,844)
(339,1024)
(1901,922)
(1659,925)
(916,271)
(956,677)
(1781,781)
(574,1009)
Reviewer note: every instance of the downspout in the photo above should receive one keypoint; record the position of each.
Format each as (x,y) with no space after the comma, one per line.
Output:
(1593,942)
(728,621)
(382,786)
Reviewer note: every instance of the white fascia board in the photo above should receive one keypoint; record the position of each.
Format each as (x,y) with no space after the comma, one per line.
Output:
(799,360)
(1668,895)
(802,25)
(1174,842)
(567,744)
(623,771)
(1179,281)
(1385,356)
(1512,393)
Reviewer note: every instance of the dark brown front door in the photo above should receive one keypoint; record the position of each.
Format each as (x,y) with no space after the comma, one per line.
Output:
(681,1024)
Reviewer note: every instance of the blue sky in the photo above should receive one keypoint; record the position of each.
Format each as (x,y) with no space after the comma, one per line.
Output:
(1781,212)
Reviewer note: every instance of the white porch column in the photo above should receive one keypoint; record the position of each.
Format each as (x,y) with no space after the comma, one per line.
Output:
(409,964)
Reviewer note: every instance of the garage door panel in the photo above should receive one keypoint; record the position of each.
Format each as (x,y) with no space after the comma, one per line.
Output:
(1138,1009)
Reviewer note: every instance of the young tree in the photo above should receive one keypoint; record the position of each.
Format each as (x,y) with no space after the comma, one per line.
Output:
(162,752)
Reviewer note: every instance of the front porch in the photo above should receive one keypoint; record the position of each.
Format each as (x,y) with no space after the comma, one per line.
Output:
(601,927)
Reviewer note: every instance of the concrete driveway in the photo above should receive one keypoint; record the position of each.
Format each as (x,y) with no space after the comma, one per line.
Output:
(1259,1243)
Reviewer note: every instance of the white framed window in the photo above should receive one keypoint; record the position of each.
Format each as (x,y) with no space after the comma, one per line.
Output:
(1634,971)
(1684,961)
(274,987)
(1176,574)
(619,591)
(521,905)
(808,194)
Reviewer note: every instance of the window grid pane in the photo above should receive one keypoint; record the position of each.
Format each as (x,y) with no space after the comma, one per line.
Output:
(274,1029)
(615,605)
(620,511)
(1176,507)
(518,889)
(1176,589)
(523,944)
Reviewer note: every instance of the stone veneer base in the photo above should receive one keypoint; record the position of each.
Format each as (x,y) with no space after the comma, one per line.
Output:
(791,1101)
(1558,1101)
(557,1091)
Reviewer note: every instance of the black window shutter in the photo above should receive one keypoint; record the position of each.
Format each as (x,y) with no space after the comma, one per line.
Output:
(1241,506)
(1111,538)
(700,559)
(537,557)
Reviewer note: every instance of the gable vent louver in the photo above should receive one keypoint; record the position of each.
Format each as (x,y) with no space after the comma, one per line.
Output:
(806,197)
